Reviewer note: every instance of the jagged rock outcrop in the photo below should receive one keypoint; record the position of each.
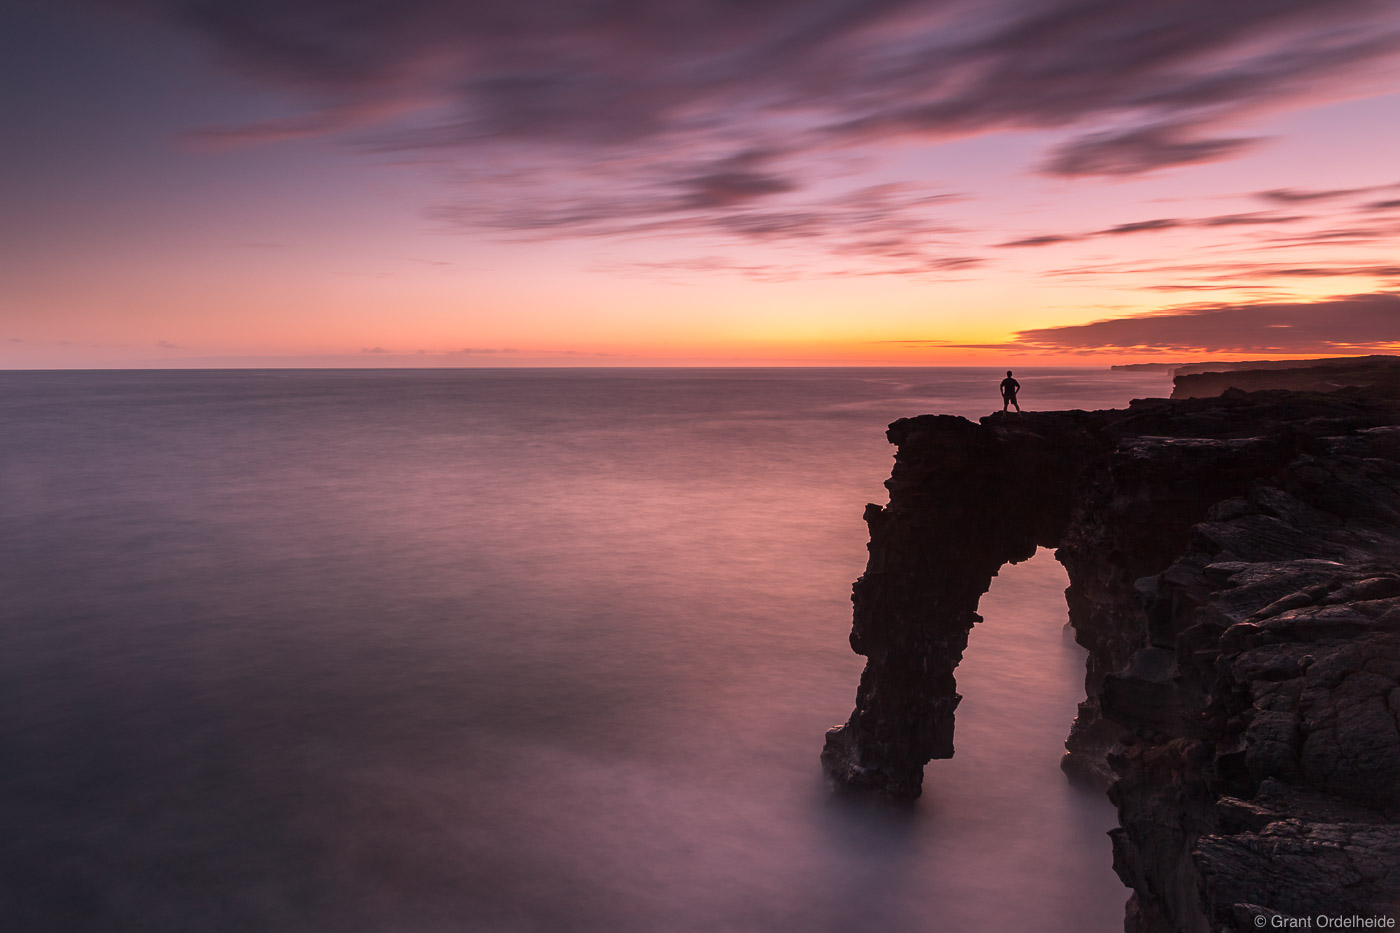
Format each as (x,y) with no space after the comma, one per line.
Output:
(1234,570)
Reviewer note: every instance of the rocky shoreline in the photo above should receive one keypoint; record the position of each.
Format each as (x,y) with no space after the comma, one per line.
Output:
(1234,569)
(1379,372)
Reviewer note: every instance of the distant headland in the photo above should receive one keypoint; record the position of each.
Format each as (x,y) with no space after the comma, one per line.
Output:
(1328,374)
(1208,380)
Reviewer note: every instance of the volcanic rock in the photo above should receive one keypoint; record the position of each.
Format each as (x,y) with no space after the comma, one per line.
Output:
(1234,569)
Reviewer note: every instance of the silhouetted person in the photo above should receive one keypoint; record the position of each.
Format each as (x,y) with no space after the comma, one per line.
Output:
(1009,388)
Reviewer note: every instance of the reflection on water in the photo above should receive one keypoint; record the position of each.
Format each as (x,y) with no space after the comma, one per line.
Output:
(520,650)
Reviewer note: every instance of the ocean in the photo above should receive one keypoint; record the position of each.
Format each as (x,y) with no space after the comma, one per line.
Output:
(502,650)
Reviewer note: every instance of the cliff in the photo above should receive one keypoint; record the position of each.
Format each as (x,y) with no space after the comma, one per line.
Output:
(1215,366)
(1234,569)
(1306,376)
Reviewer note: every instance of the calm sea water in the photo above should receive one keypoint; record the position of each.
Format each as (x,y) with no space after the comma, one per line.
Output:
(502,651)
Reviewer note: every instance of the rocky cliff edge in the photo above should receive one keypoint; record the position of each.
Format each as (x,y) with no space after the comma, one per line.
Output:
(1234,568)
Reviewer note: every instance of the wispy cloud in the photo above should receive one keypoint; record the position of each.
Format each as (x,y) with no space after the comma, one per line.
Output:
(1253,218)
(1139,150)
(1350,324)
(722,109)
(1304,196)
(894,227)
(686,269)
(1233,274)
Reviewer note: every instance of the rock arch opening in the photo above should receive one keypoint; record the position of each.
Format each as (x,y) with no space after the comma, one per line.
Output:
(964,502)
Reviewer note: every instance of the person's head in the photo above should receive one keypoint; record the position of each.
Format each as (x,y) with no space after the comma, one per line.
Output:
(1008,374)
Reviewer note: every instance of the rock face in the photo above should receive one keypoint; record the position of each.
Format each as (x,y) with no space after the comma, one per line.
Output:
(1217,366)
(1382,372)
(1234,570)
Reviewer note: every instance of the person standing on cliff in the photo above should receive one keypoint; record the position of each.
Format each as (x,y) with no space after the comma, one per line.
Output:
(1009,388)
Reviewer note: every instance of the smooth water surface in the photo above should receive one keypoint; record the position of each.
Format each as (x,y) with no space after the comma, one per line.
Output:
(500,650)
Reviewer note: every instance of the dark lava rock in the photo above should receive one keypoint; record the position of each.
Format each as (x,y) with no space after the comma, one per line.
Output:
(1305,376)
(1234,570)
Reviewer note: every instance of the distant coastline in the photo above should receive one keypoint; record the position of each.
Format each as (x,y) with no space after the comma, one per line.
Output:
(1148,367)
(1326,374)
(1224,366)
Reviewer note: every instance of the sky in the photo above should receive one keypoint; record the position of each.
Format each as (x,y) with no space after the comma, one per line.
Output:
(696,182)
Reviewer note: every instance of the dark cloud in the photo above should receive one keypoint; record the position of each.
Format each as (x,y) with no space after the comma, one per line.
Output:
(1340,236)
(606,91)
(1253,218)
(1138,151)
(167,345)
(1141,226)
(1383,205)
(1256,218)
(484,351)
(1379,271)
(1049,239)
(1352,324)
(1299,196)
(663,195)
(374,350)
(724,189)
(1175,67)
(733,182)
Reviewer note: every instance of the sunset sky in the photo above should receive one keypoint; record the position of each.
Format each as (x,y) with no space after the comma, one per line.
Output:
(695,182)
